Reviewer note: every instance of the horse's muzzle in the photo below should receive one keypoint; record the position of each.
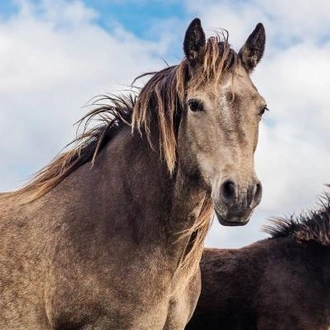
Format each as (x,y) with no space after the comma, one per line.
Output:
(235,220)
(234,206)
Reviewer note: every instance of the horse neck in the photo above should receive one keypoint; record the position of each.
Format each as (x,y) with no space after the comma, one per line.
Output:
(130,175)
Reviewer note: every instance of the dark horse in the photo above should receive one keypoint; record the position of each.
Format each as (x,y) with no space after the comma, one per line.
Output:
(278,283)
(110,234)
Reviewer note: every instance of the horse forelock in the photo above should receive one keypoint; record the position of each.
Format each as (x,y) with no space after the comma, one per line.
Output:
(313,225)
(166,91)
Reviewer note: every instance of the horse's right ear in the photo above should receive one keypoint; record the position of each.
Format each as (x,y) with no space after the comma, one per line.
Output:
(194,43)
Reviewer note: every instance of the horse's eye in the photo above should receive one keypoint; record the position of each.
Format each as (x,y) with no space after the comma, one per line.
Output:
(263,110)
(195,105)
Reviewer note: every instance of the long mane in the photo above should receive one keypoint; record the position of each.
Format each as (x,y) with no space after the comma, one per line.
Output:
(158,103)
(313,225)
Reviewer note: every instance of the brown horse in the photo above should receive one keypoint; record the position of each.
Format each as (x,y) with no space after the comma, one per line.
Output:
(279,283)
(110,234)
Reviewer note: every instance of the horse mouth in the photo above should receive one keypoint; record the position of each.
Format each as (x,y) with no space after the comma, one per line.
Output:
(233,221)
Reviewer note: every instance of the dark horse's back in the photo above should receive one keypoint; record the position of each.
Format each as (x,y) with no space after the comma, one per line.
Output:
(225,274)
(274,284)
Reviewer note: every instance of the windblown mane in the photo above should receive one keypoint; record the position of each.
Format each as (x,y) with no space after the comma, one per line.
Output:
(308,226)
(112,117)
(158,104)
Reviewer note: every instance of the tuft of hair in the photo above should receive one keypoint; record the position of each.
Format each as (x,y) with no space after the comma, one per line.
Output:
(191,257)
(313,225)
(165,93)
(112,115)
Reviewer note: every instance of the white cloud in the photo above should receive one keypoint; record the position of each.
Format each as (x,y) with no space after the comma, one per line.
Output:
(306,20)
(54,58)
(285,21)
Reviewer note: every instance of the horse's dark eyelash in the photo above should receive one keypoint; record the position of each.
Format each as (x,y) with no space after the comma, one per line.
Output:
(264,109)
(195,105)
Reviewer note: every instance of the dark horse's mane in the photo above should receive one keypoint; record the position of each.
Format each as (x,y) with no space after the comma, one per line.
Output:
(313,225)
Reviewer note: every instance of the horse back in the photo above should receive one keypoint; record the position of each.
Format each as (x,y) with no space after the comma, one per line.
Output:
(272,284)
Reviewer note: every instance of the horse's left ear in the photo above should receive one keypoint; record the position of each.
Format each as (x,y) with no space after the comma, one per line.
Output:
(253,49)
(194,43)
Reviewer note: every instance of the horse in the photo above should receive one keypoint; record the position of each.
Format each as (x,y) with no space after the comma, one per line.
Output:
(281,282)
(109,235)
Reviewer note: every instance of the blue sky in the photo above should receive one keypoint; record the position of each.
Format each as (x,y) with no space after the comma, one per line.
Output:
(135,16)
(142,17)
(7,9)
(57,54)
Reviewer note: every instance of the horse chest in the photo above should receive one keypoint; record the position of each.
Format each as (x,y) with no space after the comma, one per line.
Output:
(136,293)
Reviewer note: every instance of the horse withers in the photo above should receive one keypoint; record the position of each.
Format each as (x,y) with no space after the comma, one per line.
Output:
(109,235)
(278,283)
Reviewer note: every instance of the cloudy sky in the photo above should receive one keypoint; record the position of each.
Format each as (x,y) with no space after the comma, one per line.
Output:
(55,55)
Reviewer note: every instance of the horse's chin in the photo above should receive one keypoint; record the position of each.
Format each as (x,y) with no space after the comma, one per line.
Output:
(233,221)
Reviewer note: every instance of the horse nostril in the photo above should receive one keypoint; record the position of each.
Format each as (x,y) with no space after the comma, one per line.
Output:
(257,194)
(228,192)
